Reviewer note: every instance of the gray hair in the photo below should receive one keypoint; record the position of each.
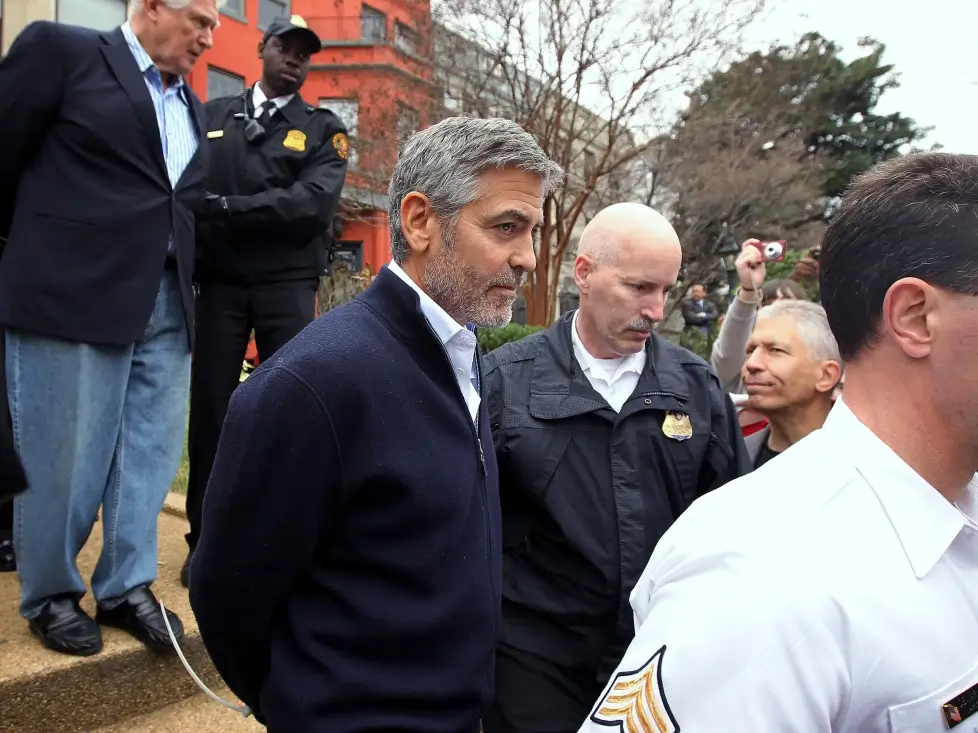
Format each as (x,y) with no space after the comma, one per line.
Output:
(812,325)
(444,163)
(135,5)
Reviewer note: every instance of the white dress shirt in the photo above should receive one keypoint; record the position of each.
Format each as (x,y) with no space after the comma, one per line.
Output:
(459,342)
(258,98)
(831,591)
(613,379)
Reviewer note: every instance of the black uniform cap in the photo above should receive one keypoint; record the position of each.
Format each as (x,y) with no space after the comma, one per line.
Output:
(295,24)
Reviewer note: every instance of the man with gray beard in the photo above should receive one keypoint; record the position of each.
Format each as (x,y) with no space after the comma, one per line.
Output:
(347,577)
(604,433)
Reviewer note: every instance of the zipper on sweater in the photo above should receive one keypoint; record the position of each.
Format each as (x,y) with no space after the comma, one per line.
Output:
(478,442)
(461,399)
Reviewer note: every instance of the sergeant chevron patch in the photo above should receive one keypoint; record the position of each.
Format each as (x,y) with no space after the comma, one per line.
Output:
(636,701)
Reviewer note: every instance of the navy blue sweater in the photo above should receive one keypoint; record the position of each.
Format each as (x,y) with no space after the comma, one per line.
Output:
(347,576)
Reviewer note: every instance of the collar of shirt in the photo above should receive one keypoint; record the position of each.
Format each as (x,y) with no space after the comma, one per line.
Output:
(445,327)
(925,522)
(143,59)
(258,98)
(607,370)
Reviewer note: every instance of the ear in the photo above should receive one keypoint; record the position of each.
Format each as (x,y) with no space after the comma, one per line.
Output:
(418,222)
(583,267)
(829,376)
(910,316)
(151,8)
(261,48)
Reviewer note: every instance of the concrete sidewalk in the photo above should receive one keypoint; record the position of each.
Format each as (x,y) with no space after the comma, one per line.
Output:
(45,692)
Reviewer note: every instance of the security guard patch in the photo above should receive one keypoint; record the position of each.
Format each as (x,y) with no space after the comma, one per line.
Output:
(295,140)
(636,701)
(342,145)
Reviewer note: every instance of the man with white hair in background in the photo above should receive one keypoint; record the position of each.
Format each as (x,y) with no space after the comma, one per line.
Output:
(790,375)
(604,434)
(102,164)
(347,576)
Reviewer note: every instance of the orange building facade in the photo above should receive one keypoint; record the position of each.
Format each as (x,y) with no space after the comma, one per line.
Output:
(374,72)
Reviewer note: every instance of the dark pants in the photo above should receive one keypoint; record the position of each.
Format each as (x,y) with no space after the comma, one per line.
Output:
(225,318)
(537,696)
(12,479)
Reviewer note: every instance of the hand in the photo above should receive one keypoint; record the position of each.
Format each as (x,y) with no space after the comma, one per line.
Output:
(750,266)
(208,207)
(806,269)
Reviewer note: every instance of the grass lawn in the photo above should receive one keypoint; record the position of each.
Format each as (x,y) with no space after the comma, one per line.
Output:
(183,473)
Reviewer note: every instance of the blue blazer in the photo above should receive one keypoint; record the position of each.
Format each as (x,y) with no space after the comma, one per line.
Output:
(86,205)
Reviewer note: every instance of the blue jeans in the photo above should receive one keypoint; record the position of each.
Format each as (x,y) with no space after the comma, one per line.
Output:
(96,426)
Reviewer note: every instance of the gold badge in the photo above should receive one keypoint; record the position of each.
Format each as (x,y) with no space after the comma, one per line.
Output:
(298,21)
(676,425)
(342,145)
(636,701)
(215,133)
(295,140)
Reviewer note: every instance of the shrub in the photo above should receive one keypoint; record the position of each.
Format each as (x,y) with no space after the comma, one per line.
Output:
(698,342)
(493,338)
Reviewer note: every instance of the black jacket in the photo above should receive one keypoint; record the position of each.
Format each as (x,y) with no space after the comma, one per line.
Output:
(587,492)
(347,577)
(94,209)
(281,193)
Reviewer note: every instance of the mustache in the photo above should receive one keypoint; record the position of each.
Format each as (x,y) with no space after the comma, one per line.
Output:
(512,279)
(641,324)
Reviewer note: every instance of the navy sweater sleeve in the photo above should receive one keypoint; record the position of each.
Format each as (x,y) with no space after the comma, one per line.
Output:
(276,477)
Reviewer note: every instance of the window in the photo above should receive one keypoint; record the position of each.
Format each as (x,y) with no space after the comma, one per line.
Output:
(234,8)
(406,39)
(373,25)
(407,122)
(102,15)
(269,10)
(348,110)
(223,83)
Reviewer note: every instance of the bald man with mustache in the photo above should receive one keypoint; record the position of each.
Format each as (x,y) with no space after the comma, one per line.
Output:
(604,434)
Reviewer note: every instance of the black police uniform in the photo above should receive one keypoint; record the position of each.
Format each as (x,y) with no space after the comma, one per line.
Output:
(586,493)
(261,247)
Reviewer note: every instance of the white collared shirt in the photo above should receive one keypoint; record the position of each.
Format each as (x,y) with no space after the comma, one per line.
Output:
(613,379)
(831,591)
(258,98)
(459,342)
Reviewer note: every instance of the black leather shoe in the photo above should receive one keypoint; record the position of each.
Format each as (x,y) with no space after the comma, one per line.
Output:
(185,571)
(141,616)
(8,560)
(63,627)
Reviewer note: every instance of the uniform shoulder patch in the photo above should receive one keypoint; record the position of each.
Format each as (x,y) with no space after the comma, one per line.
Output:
(341,145)
(636,701)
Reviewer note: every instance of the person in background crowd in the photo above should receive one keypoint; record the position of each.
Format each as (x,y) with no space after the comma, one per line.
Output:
(604,433)
(101,143)
(698,312)
(347,576)
(274,188)
(835,589)
(727,354)
(790,375)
